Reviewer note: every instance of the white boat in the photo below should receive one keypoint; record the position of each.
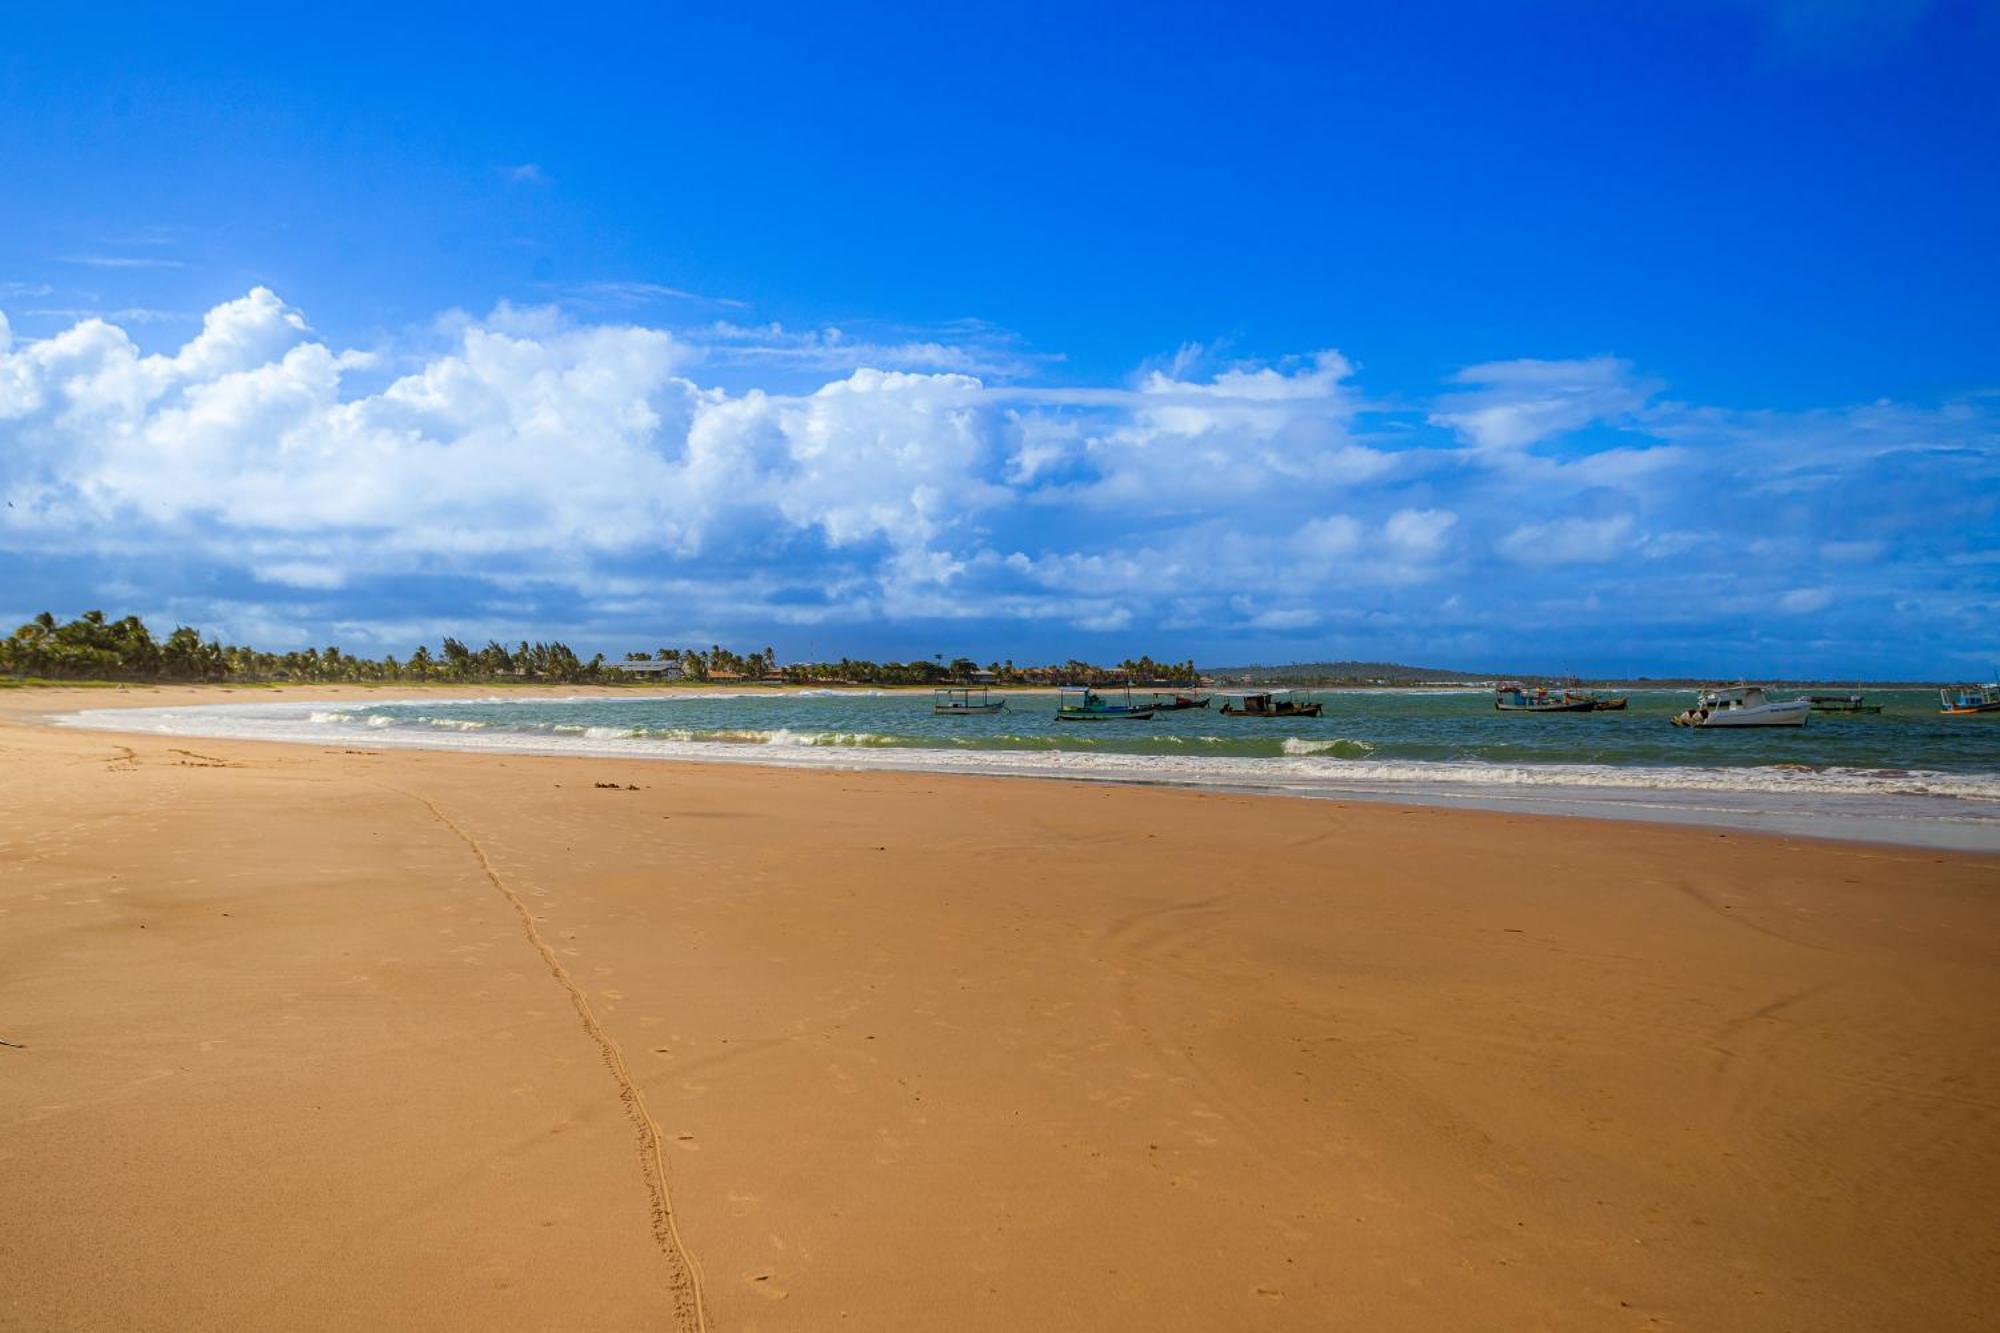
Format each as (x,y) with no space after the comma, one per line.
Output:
(1743,706)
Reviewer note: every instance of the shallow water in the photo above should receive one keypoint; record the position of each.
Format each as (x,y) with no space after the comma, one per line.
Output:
(1906,775)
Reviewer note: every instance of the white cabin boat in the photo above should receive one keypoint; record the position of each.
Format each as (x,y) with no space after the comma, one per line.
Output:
(1743,706)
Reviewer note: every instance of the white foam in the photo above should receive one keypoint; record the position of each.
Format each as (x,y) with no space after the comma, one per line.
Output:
(1339,745)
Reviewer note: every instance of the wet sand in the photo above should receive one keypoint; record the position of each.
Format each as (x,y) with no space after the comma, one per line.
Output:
(329,1038)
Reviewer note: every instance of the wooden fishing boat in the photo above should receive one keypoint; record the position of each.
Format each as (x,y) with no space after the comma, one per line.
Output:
(1517,698)
(1270,703)
(961,701)
(1842,703)
(1081,703)
(1174,703)
(1968,700)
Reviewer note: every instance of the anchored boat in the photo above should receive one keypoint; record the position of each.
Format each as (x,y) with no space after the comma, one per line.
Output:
(1842,703)
(959,701)
(1270,703)
(1084,704)
(1966,700)
(1174,703)
(1743,706)
(1514,697)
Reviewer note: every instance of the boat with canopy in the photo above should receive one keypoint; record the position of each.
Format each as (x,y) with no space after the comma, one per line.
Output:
(1271,703)
(1083,703)
(962,700)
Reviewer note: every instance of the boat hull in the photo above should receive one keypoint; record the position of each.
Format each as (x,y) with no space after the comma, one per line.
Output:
(1579,706)
(1306,710)
(1104,715)
(978,709)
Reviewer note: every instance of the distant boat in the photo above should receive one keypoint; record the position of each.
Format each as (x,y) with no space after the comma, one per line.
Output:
(1174,703)
(1514,697)
(1743,706)
(1966,700)
(1842,703)
(1271,703)
(960,701)
(1084,704)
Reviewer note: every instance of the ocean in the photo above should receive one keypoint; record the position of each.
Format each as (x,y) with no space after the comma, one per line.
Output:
(1905,775)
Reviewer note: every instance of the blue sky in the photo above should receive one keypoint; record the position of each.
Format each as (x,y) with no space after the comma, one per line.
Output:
(1532,336)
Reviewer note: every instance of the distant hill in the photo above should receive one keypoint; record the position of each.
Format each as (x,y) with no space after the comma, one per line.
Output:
(1395,673)
(1341,673)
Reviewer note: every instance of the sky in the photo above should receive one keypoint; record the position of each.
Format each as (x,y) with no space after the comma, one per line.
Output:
(1556,337)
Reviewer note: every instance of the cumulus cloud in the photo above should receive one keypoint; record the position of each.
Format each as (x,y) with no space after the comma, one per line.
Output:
(1419,534)
(529,473)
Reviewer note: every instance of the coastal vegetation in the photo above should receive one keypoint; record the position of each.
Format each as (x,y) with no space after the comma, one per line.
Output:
(94,647)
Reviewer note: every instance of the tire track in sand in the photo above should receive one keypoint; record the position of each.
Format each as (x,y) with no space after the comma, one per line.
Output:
(685,1275)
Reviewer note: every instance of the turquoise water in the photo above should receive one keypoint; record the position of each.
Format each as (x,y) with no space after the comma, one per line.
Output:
(1908,735)
(1902,768)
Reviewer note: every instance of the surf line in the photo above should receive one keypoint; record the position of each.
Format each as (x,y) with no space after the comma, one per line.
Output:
(686,1274)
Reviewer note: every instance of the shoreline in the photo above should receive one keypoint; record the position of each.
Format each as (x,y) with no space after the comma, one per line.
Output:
(1727,799)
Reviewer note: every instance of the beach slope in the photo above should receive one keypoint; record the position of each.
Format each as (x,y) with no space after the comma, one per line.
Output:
(318,1037)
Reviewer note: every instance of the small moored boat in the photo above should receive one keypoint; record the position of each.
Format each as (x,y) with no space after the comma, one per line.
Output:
(1084,704)
(1967,700)
(1174,703)
(959,701)
(1514,697)
(1743,706)
(1841,703)
(1270,703)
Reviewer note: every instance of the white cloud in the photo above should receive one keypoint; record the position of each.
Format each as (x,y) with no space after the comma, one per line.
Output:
(976,351)
(524,173)
(1800,601)
(1567,541)
(1508,405)
(524,462)
(1327,538)
(124,261)
(1419,534)
(628,295)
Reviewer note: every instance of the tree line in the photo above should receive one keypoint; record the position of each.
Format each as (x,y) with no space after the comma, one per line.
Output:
(94,647)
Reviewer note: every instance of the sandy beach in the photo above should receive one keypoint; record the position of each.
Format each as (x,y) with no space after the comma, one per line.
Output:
(329,1037)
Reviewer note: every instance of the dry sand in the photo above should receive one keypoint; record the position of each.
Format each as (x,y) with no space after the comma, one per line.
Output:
(328,1038)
